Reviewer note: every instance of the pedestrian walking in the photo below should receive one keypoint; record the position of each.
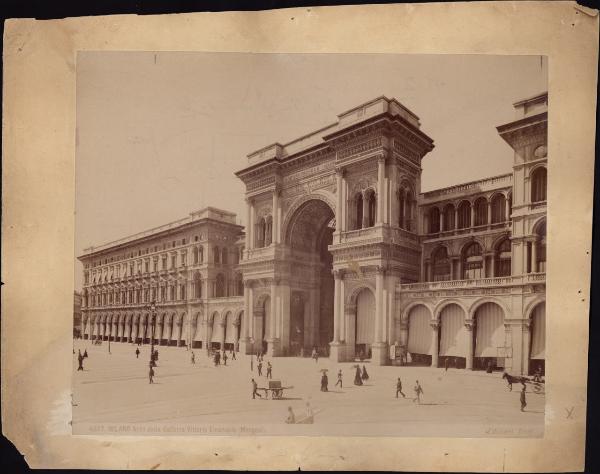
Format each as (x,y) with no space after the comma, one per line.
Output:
(446,364)
(339,379)
(151,375)
(316,355)
(137,353)
(80,360)
(224,358)
(232,355)
(324,382)
(259,367)
(490,367)
(269,370)
(217,358)
(523,399)
(418,392)
(291,418)
(357,376)
(255,390)
(365,376)
(193,358)
(399,388)
(85,354)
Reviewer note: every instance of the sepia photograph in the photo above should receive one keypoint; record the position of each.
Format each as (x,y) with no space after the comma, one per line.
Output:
(310,244)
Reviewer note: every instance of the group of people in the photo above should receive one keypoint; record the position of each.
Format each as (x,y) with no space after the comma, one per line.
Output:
(360,376)
(308,418)
(417,388)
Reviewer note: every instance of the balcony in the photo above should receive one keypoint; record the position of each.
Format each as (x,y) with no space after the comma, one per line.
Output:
(530,278)
(496,226)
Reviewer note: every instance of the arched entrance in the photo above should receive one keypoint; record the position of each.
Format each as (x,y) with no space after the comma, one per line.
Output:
(364,323)
(452,336)
(537,353)
(309,234)
(420,335)
(489,336)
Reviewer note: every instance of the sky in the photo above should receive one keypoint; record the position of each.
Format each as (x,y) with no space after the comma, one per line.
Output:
(160,135)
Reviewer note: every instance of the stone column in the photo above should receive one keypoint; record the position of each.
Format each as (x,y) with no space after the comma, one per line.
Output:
(435,343)
(275,222)
(335,351)
(507,209)
(534,257)
(489,212)
(208,333)
(525,256)
(380,189)
(339,204)
(250,229)
(365,215)
(441,221)
(472,215)
(526,347)
(455,218)
(273,341)
(470,325)
(246,341)
(223,329)
(379,347)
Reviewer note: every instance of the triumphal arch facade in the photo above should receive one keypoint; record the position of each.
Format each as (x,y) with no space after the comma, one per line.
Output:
(332,230)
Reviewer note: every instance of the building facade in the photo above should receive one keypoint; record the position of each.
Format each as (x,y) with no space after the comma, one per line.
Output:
(342,251)
(188,268)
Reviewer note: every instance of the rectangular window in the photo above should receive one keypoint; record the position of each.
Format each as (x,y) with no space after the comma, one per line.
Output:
(173,261)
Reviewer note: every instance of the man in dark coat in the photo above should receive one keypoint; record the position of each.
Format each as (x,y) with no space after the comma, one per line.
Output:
(324,382)
(80,360)
(269,370)
(137,353)
(399,388)
(255,390)
(523,399)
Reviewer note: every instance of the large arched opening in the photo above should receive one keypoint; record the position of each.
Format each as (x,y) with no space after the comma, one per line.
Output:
(537,351)
(309,235)
(363,325)
(489,336)
(420,332)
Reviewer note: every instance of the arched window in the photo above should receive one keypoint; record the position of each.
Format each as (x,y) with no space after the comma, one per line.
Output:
(541,248)
(434,220)
(195,255)
(372,209)
(260,233)
(441,265)
(538,185)
(197,285)
(449,223)
(481,211)
(472,262)
(224,255)
(503,256)
(464,215)
(217,254)
(498,208)
(220,286)
(359,211)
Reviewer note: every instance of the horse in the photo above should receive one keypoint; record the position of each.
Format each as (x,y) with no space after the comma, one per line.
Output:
(510,379)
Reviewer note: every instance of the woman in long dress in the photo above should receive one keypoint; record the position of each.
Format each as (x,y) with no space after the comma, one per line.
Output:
(365,376)
(357,377)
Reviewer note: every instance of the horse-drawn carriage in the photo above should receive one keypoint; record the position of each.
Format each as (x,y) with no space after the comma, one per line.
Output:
(275,389)
(536,383)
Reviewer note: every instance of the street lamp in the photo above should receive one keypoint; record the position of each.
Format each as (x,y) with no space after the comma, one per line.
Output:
(152,308)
